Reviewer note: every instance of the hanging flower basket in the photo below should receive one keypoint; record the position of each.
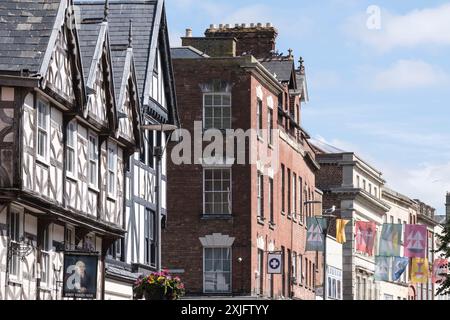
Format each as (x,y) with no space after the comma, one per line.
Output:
(158,286)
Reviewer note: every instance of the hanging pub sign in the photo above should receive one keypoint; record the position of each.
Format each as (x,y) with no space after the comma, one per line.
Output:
(80,275)
(274,263)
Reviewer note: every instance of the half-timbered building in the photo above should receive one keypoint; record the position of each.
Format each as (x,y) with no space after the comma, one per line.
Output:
(68,125)
(138,253)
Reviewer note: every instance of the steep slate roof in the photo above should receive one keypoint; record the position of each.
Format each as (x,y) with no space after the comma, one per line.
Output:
(141,12)
(88,36)
(118,60)
(281,67)
(25,29)
(187,52)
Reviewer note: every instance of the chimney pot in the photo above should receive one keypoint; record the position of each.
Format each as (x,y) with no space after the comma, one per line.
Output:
(227,26)
(252,25)
(268,25)
(259,25)
(212,26)
(221,26)
(188,33)
(244,25)
(236,25)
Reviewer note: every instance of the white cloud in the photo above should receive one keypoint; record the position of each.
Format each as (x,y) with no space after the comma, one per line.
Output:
(426,27)
(428,182)
(410,74)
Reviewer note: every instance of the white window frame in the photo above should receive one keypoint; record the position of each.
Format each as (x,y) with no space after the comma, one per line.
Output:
(259,117)
(294,195)
(20,218)
(270,126)
(294,266)
(72,148)
(45,258)
(46,130)
(230,272)
(150,237)
(300,269)
(92,160)
(69,243)
(230,192)
(260,195)
(271,203)
(112,172)
(213,106)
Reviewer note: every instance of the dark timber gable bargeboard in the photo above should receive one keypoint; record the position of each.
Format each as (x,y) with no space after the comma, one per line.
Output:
(149,34)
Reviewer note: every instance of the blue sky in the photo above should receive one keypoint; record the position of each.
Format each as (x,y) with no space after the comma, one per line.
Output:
(382,93)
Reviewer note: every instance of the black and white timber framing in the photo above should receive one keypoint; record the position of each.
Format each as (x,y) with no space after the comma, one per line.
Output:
(137,253)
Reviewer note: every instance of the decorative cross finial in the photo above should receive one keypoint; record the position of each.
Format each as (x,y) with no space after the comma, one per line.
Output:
(106,11)
(290,53)
(301,61)
(302,65)
(130,35)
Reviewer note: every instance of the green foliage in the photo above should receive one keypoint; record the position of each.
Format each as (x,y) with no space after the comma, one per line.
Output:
(444,248)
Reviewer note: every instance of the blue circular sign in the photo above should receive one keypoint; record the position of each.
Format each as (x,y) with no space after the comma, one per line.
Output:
(274,263)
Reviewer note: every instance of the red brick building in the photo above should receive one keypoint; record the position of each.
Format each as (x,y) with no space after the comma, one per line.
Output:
(225,218)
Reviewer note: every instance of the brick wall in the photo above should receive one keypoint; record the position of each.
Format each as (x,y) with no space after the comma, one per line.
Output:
(181,246)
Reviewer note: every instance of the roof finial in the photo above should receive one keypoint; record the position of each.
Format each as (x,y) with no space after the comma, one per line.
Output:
(302,65)
(106,12)
(130,35)
(290,53)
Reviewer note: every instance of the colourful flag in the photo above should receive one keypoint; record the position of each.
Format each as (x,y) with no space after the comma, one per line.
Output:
(390,240)
(340,230)
(315,237)
(399,265)
(415,241)
(381,268)
(440,270)
(365,236)
(419,270)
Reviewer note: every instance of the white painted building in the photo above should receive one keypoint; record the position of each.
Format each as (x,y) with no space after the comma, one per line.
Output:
(354,187)
(402,211)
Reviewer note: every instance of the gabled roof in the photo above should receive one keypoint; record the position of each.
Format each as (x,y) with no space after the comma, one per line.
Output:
(149,33)
(88,35)
(283,68)
(25,30)
(118,60)
(302,85)
(141,12)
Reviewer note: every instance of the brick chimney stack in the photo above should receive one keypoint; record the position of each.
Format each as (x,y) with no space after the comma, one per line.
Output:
(256,39)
